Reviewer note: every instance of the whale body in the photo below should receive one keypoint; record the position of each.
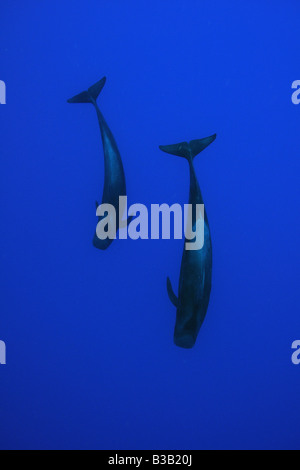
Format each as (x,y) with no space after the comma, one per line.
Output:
(196,265)
(114,178)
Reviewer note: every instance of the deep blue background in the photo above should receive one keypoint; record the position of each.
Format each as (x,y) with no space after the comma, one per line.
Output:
(90,357)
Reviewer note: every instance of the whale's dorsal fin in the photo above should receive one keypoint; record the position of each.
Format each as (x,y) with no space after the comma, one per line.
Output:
(171,294)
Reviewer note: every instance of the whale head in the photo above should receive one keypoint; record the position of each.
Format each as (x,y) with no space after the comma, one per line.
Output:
(185,340)
(186,327)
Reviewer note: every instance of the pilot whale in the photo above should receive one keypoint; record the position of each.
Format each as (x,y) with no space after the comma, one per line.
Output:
(114,179)
(196,265)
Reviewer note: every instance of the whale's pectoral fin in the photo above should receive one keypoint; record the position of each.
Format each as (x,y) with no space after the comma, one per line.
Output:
(171,294)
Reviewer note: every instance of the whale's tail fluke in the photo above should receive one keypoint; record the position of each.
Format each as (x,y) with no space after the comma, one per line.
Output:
(90,95)
(188,150)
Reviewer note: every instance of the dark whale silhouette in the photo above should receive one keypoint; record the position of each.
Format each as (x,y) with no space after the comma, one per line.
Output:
(114,180)
(196,266)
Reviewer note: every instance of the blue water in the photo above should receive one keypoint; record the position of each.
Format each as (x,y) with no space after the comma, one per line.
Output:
(90,356)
